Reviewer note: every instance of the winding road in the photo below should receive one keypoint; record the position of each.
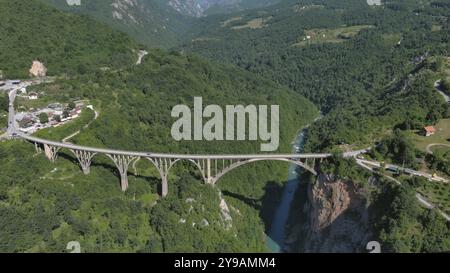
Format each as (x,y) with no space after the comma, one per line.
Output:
(437,86)
(422,200)
(401,169)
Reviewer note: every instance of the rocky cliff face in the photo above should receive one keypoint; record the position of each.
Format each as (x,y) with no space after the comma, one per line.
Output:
(335,217)
(197,8)
(38,69)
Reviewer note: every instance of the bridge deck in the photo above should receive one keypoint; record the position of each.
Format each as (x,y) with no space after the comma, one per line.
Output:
(168,155)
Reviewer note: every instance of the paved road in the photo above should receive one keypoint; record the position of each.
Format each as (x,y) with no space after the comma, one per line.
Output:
(430,205)
(371,169)
(401,169)
(12,124)
(8,86)
(422,200)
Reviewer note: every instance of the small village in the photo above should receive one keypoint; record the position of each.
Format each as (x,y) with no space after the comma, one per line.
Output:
(53,115)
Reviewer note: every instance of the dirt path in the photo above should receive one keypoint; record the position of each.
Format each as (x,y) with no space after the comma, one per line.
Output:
(435,144)
(84,127)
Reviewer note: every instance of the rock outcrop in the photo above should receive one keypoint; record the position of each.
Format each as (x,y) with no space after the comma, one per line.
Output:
(123,10)
(337,218)
(38,69)
(225,213)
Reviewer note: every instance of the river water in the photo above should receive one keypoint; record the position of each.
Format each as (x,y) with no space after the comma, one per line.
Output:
(277,233)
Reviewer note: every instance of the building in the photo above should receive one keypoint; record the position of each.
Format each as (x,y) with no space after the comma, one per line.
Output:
(74,113)
(33,96)
(56,106)
(429,131)
(26,123)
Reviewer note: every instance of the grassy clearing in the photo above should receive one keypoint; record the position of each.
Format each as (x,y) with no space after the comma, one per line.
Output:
(24,104)
(435,28)
(301,8)
(231,20)
(438,194)
(392,39)
(205,39)
(442,136)
(254,24)
(336,35)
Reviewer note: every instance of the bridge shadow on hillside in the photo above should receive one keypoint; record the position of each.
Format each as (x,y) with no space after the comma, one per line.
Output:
(266,205)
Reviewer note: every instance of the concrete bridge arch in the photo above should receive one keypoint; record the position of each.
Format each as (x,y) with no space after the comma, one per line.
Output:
(211,167)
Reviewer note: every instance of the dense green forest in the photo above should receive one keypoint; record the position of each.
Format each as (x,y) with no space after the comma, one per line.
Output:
(359,80)
(65,43)
(371,70)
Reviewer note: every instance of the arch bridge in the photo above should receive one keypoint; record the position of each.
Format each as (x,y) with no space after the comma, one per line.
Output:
(211,167)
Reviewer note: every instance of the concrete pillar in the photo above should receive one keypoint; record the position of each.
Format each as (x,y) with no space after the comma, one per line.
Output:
(164,186)
(208,171)
(85,159)
(38,148)
(124,181)
(122,163)
(86,169)
(51,152)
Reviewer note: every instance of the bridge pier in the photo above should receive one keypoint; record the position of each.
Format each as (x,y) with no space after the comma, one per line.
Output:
(163,165)
(51,152)
(209,178)
(85,159)
(124,182)
(164,186)
(122,163)
(37,148)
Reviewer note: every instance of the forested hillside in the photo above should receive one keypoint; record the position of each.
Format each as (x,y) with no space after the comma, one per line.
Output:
(351,59)
(66,44)
(135,107)
(371,70)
